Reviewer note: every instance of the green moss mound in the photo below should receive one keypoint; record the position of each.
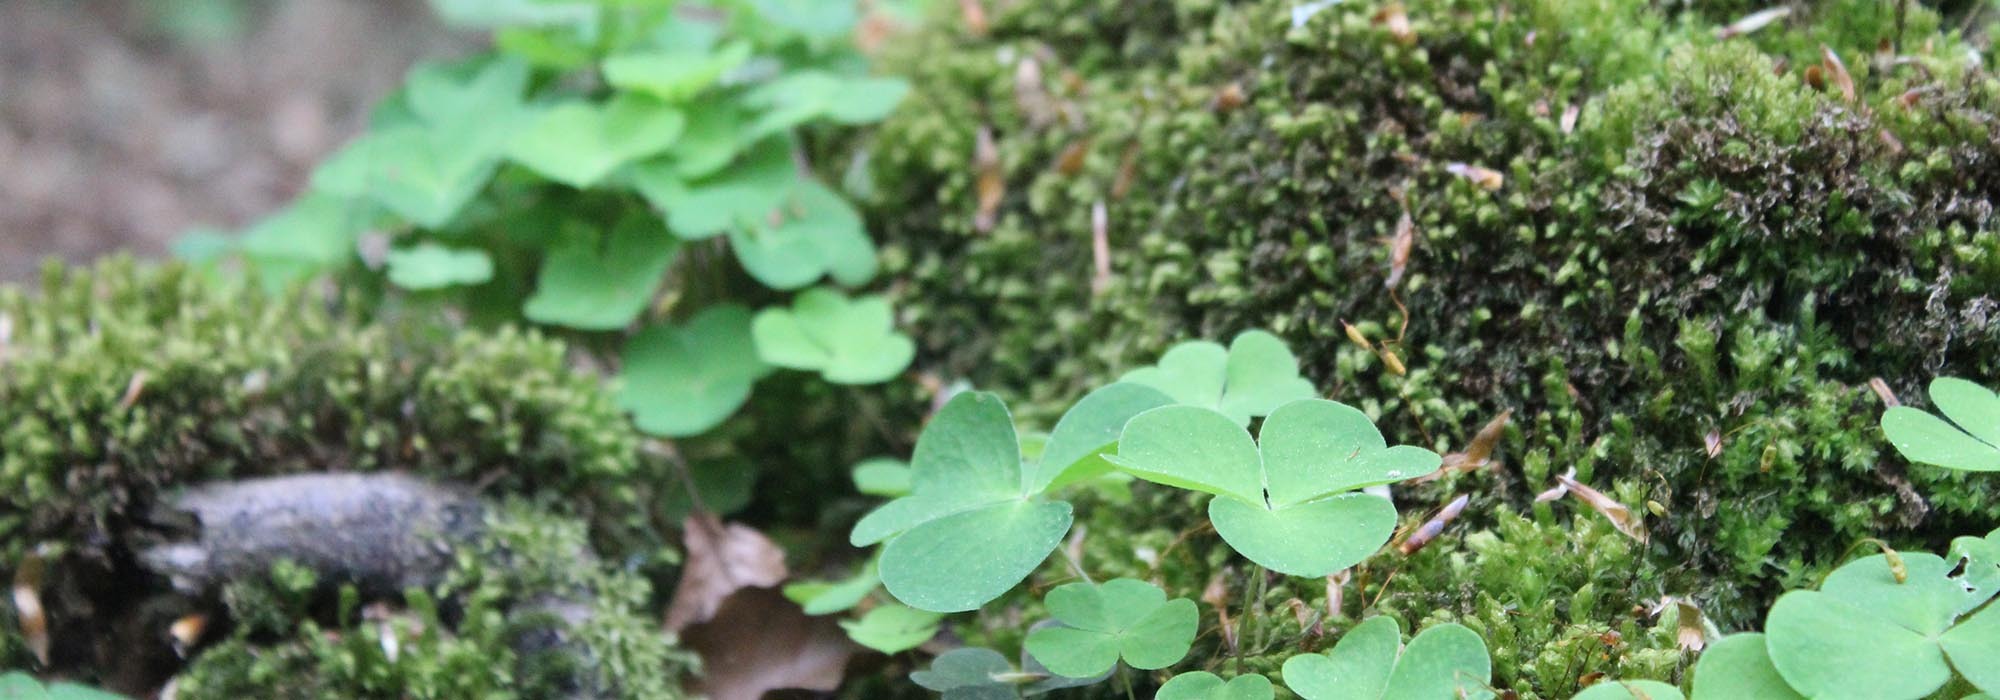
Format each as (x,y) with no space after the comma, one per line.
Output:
(1679,259)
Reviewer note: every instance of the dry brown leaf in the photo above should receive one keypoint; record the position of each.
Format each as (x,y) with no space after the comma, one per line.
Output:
(1031,95)
(1216,594)
(1435,526)
(1479,452)
(875,29)
(1712,443)
(759,642)
(1070,161)
(974,13)
(1570,114)
(1836,71)
(133,389)
(1396,19)
(721,559)
(1309,621)
(1620,516)
(1100,247)
(1486,178)
(28,606)
(1881,389)
(1399,249)
(1228,98)
(992,183)
(1336,586)
(1128,170)
(1753,22)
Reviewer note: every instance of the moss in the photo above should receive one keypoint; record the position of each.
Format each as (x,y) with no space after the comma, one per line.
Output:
(1713,246)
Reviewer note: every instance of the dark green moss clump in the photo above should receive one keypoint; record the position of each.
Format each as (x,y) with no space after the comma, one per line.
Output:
(1642,239)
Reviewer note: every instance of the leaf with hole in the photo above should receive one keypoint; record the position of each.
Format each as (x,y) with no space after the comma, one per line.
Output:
(432,266)
(1444,662)
(1863,634)
(1969,441)
(683,380)
(1253,377)
(1202,685)
(892,629)
(578,143)
(969,530)
(1118,619)
(1287,504)
(848,341)
(597,285)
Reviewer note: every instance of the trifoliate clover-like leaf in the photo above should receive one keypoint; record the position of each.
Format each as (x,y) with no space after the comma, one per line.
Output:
(892,629)
(1978,561)
(713,138)
(1075,449)
(15,685)
(745,195)
(1253,377)
(815,19)
(422,174)
(828,597)
(1631,690)
(969,530)
(816,234)
(683,380)
(971,673)
(1739,666)
(578,143)
(1202,685)
(1970,441)
(673,76)
(313,234)
(1864,634)
(432,266)
(1102,623)
(1286,503)
(1444,662)
(848,341)
(805,96)
(593,285)
(882,476)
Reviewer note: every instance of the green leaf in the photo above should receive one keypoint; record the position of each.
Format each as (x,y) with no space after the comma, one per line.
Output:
(892,629)
(970,673)
(1122,618)
(1089,430)
(1969,445)
(1738,666)
(16,685)
(882,476)
(1444,662)
(847,342)
(819,234)
(1202,685)
(468,96)
(1980,560)
(1973,645)
(589,286)
(1866,635)
(1255,376)
(1633,690)
(578,143)
(313,234)
(432,266)
(968,531)
(816,19)
(804,96)
(713,138)
(425,176)
(740,198)
(1283,505)
(828,597)
(673,76)
(683,380)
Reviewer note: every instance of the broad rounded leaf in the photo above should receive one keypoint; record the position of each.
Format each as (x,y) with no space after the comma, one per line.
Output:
(1444,662)
(1738,666)
(424,174)
(683,380)
(740,197)
(1192,448)
(962,561)
(578,143)
(1316,447)
(882,476)
(1866,635)
(1310,539)
(1253,377)
(828,597)
(1973,646)
(1970,441)
(819,234)
(1202,685)
(960,669)
(846,341)
(673,76)
(592,286)
(1101,623)
(1633,690)
(1089,429)
(432,266)
(892,629)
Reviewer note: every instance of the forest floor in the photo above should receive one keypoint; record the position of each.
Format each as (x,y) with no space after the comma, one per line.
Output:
(124,124)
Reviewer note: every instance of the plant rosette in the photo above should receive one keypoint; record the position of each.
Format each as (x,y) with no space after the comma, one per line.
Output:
(1119,619)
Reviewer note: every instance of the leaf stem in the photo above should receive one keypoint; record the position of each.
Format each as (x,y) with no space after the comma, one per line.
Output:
(1076,566)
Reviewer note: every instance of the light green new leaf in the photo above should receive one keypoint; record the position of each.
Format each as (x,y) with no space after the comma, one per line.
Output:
(1253,377)
(467,96)
(1866,635)
(1635,690)
(423,174)
(713,138)
(882,476)
(1282,506)
(1444,662)
(1202,685)
(1973,645)
(683,380)
(432,266)
(1738,666)
(1970,441)
(313,234)
(828,597)
(892,629)
(1075,448)
(816,19)
(819,234)
(968,531)
(578,143)
(589,286)
(846,341)
(15,685)
(970,673)
(1122,618)
(801,97)
(746,195)
(1980,559)
(673,76)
